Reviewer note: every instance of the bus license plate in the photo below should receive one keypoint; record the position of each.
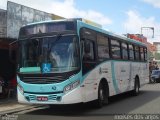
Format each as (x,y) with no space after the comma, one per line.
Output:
(42,98)
(1,89)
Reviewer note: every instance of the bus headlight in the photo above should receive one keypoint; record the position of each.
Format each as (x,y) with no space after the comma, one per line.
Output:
(71,86)
(20,88)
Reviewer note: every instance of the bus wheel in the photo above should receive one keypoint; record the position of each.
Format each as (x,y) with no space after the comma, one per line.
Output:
(102,96)
(136,87)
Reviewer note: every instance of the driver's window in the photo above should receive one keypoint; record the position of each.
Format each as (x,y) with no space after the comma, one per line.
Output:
(88,51)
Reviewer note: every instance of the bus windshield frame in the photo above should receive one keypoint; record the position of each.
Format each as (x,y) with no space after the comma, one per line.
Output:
(60,51)
(46,28)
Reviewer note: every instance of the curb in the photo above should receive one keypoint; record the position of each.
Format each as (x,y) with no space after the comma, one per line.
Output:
(6,101)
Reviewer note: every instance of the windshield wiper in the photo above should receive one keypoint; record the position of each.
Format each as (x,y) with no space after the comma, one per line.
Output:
(57,38)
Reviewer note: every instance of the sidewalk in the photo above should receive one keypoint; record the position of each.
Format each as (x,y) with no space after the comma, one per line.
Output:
(10,105)
(7,100)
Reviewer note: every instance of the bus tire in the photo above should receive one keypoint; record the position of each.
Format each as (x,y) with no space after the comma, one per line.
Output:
(136,90)
(102,95)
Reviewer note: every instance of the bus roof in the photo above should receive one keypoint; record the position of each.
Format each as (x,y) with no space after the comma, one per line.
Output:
(48,21)
(83,24)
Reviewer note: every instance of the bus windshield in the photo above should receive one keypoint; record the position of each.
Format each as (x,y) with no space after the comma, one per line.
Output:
(60,51)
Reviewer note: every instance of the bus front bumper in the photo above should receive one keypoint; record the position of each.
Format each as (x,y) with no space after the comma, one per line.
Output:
(72,97)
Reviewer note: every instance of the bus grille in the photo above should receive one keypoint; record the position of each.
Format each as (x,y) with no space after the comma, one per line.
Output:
(42,80)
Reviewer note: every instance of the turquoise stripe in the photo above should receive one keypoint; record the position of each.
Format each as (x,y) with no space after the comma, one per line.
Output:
(114,79)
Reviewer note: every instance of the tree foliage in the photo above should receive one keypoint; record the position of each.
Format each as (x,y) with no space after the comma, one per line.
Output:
(150,55)
(157,56)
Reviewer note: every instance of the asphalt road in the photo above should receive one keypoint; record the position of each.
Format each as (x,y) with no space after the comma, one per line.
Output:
(147,102)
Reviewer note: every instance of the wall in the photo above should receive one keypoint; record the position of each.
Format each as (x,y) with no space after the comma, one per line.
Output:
(19,15)
(3,23)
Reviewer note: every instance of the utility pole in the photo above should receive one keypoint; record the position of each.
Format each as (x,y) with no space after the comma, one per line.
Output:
(152,28)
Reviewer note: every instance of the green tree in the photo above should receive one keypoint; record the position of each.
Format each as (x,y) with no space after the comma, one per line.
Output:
(150,55)
(157,56)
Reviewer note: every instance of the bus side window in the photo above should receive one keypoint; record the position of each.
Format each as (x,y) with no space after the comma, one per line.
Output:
(142,53)
(103,47)
(124,51)
(145,54)
(115,49)
(131,52)
(137,52)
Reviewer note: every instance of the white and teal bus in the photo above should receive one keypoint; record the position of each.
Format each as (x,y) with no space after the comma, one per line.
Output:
(69,61)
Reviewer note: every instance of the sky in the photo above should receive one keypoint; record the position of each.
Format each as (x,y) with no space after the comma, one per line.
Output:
(118,16)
